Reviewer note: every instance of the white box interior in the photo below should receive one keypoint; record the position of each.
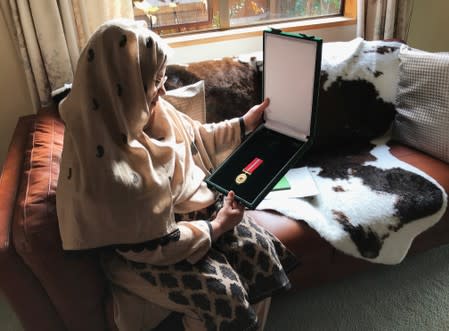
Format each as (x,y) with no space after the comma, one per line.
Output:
(289,78)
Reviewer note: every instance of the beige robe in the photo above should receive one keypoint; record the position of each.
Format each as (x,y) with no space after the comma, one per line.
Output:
(121,184)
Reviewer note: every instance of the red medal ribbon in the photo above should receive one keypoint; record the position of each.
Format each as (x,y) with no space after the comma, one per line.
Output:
(252,166)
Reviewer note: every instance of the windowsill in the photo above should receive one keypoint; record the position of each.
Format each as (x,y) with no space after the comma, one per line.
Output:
(247,32)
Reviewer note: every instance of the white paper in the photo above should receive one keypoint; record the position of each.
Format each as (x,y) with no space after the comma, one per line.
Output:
(301,185)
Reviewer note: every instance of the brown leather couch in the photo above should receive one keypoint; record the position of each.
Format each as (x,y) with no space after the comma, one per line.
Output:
(50,289)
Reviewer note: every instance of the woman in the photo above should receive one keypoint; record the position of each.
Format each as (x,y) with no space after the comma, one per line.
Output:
(131,183)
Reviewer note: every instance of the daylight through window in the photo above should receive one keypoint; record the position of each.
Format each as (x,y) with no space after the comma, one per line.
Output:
(178,16)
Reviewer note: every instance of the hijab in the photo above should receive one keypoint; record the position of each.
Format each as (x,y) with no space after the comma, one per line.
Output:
(120,182)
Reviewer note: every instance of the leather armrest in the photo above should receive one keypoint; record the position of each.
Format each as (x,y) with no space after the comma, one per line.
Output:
(73,281)
(21,288)
(9,181)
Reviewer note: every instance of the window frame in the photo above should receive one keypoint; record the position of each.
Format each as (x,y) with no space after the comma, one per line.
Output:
(349,17)
(157,29)
(225,17)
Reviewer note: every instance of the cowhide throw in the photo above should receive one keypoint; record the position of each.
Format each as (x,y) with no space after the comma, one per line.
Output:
(357,91)
(371,205)
(356,98)
(231,86)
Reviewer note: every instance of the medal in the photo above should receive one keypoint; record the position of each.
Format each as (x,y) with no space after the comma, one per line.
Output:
(240,179)
(248,170)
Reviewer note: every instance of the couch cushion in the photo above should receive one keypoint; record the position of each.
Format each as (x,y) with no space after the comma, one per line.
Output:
(17,283)
(190,100)
(422,119)
(73,281)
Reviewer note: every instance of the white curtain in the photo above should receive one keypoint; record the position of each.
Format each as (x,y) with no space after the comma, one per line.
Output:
(49,35)
(383,19)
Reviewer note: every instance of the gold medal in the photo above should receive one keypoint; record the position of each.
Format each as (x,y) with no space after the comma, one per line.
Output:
(240,179)
(248,170)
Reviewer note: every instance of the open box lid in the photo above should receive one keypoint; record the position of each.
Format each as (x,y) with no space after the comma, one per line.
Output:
(292,64)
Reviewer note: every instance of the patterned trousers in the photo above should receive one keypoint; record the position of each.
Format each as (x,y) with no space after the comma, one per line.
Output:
(243,267)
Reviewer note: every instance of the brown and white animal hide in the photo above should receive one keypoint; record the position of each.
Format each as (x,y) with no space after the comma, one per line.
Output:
(371,205)
(357,92)
(232,86)
(356,97)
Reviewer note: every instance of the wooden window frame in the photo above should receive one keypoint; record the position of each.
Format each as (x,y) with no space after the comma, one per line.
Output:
(188,25)
(349,17)
(225,19)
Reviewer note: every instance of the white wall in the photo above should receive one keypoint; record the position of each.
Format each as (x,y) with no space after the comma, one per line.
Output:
(430,25)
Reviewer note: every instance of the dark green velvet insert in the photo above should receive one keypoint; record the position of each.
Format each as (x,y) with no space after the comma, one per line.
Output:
(275,149)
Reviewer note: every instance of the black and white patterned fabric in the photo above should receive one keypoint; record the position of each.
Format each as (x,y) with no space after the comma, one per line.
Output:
(243,267)
(422,119)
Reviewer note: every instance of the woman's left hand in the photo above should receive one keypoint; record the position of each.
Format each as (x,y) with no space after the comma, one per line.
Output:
(227,217)
(254,116)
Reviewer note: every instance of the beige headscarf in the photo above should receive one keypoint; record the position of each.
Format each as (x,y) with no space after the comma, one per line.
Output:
(119,184)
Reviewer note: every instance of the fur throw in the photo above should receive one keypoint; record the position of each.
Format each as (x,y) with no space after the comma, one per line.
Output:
(357,92)
(371,205)
(232,87)
(356,98)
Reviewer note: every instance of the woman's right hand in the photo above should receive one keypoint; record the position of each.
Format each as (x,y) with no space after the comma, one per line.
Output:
(228,216)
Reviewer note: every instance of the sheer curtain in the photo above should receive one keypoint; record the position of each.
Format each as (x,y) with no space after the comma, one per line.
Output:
(383,19)
(49,35)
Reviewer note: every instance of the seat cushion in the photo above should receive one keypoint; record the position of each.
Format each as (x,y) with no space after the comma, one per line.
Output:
(73,281)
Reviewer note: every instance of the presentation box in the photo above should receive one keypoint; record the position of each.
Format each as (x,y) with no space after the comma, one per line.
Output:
(291,74)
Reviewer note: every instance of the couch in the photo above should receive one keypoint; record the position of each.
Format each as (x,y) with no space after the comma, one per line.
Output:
(51,289)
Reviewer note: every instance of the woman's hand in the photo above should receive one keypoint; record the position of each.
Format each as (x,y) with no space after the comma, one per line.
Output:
(228,216)
(254,116)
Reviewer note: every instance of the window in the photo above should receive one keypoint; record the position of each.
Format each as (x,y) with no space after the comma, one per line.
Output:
(178,16)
